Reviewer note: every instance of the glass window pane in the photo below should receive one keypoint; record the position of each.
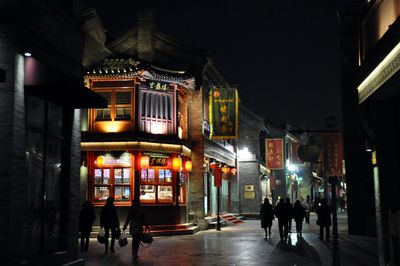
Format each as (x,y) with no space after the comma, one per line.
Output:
(121,176)
(169,107)
(161,175)
(52,194)
(35,112)
(148,104)
(159,106)
(101,193)
(143,175)
(122,193)
(168,176)
(165,194)
(34,196)
(153,105)
(151,175)
(103,114)
(123,113)
(123,97)
(143,101)
(98,176)
(55,118)
(147,193)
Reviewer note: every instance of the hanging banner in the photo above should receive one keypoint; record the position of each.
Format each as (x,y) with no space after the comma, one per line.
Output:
(294,155)
(217,177)
(275,153)
(224,113)
(332,154)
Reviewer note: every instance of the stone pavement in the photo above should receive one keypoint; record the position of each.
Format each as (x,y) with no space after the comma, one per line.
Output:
(242,245)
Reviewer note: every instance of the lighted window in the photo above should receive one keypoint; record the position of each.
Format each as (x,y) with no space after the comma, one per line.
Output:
(147,175)
(122,193)
(101,176)
(119,105)
(101,193)
(147,193)
(122,176)
(164,176)
(156,115)
(165,194)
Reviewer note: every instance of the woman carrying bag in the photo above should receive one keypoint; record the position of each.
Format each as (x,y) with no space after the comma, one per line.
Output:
(136,220)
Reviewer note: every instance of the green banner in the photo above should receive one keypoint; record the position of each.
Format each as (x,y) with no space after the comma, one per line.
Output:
(224,113)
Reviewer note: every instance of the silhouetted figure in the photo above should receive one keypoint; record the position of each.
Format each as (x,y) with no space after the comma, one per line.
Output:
(342,204)
(324,219)
(136,220)
(109,220)
(307,207)
(298,215)
(86,219)
(266,216)
(289,208)
(282,213)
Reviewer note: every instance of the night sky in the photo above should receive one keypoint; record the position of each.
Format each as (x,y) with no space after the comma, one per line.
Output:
(284,57)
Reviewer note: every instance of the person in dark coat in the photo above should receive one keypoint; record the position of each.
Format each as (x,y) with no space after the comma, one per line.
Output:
(86,218)
(282,213)
(109,220)
(266,216)
(136,220)
(289,209)
(324,219)
(298,214)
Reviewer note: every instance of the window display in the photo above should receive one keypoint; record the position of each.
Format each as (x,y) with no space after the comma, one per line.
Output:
(122,193)
(165,194)
(122,176)
(101,193)
(147,193)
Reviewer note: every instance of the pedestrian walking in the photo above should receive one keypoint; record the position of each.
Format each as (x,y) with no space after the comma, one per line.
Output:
(109,220)
(307,207)
(289,209)
(298,215)
(266,216)
(86,219)
(324,219)
(137,220)
(281,212)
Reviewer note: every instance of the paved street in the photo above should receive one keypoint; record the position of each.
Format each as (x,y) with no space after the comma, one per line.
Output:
(242,245)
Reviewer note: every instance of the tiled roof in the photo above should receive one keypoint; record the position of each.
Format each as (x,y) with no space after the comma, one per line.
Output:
(130,67)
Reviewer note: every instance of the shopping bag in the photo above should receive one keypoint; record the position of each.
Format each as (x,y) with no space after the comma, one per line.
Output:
(123,239)
(101,238)
(146,238)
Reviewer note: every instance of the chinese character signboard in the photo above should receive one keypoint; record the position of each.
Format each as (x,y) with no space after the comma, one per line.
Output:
(217,177)
(275,153)
(158,86)
(332,154)
(224,113)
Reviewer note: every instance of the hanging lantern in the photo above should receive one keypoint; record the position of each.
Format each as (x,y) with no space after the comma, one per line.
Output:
(226,169)
(176,164)
(233,171)
(100,161)
(188,166)
(144,162)
(213,165)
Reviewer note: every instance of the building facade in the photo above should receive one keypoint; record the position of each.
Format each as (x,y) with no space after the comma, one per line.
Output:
(41,94)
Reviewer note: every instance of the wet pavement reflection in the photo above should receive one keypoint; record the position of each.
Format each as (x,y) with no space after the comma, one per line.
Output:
(241,245)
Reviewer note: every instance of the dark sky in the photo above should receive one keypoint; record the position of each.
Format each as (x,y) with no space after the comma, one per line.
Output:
(283,54)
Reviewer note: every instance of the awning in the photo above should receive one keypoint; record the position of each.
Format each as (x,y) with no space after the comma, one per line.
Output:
(75,96)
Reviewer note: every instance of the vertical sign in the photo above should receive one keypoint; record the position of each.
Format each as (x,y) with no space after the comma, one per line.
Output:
(332,154)
(217,177)
(224,113)
(275,153)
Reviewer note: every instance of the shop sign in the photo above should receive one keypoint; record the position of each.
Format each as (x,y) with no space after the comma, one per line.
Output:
(275,153)
(224,113)
(108,159)
(158,161)
(158,86)
(332,154)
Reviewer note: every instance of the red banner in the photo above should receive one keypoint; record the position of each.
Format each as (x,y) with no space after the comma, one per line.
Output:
(275,153)
(333,154)
(217,177)
(294,158)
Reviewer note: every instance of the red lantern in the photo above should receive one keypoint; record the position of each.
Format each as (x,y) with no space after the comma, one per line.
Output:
(213,165)
(226,169)
(100,161)
(176,164)
(188,166)
(145,162)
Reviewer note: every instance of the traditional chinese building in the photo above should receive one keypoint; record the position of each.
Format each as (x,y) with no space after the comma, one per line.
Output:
(157,115)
